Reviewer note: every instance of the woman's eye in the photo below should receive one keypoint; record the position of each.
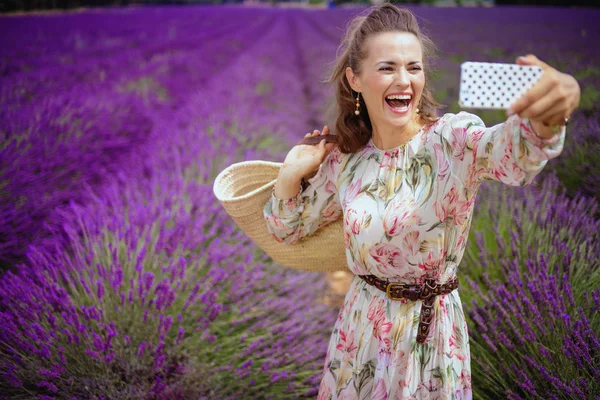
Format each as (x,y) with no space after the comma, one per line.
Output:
(390,69)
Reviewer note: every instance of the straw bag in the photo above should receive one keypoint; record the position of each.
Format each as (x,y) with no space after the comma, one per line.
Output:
(244,188)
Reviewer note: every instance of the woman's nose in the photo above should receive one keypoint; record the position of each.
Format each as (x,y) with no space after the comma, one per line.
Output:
(402,78)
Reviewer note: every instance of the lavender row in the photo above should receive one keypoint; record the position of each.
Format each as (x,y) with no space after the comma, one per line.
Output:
(58,141)
(534,293)
(152,286)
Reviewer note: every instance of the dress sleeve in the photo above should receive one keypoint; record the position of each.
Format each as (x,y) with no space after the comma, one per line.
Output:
(509,152)
(289,220)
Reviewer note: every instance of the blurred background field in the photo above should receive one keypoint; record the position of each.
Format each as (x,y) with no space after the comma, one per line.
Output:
(122,277)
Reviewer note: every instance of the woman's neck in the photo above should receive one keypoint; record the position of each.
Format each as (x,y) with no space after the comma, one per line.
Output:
(390,138)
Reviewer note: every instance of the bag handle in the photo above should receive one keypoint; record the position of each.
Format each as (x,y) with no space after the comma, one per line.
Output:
(314,140)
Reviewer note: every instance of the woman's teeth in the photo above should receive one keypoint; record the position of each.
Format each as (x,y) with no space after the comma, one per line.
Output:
(399,102)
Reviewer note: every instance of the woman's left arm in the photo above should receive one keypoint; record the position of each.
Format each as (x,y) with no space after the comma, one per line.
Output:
(550,103)
(515,151)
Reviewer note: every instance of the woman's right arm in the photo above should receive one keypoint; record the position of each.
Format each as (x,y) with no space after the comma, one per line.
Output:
(292,213)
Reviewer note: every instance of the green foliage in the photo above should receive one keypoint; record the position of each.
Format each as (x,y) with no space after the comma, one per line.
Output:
(146,87)
(589,97)
(579,165)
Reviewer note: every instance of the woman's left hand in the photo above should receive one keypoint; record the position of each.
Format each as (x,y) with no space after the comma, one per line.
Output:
(551,100)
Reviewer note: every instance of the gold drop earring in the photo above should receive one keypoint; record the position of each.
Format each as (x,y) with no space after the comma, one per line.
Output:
(357,111)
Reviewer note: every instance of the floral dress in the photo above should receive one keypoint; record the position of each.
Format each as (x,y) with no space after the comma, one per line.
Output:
(407,213)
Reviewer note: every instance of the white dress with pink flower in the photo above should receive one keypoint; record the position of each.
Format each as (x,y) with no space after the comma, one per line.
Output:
(407,213)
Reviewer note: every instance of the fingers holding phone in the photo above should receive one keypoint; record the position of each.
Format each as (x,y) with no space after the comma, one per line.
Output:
(530,88)
(552,100)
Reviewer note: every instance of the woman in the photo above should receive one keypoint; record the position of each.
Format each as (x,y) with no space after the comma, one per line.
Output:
(405,183)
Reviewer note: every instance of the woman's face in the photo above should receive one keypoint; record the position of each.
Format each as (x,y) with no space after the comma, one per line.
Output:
(391,80)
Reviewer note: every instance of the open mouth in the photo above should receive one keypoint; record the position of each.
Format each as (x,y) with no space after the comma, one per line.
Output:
(400,102)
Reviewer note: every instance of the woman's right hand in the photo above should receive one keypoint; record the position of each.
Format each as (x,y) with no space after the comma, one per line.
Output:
(304,159)
(301,161)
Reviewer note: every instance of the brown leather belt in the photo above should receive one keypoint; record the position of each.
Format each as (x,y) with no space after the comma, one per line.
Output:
(425,292)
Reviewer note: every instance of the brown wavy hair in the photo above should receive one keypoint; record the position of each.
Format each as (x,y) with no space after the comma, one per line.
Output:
(352,131)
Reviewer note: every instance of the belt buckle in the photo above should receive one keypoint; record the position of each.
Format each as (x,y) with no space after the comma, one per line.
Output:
(389,287)
(413,294)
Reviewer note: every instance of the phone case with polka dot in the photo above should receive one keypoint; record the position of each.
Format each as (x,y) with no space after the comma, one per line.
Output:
(494,85)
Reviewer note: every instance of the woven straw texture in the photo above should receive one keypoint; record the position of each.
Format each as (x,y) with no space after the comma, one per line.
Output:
(244,188)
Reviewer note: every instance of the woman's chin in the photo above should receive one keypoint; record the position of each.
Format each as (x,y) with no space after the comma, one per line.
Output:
(400,121)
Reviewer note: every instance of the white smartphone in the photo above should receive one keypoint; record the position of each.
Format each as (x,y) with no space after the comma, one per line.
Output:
(494,86)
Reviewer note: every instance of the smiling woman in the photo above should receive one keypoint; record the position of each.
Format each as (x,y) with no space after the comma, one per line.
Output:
(377,49)
(391,90)
(404,182)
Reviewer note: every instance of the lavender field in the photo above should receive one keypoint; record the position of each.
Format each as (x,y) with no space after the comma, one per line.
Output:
(123,278)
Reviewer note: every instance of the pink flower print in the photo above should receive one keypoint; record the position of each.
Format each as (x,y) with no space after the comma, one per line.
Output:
(455,350)
(290,204)
(473,174)
(327,359)
(384,358)
(360,260)
(347,243)
(389,159)
(508,167)
(465,381)
(277,238)
(347,395)
(348,230)
(388,258)
(334,157)
(324,391)
(442,163)
(353,191)
(475,136)
(355,220)
(400,215)
(332,212)
(443,208)
(274,221)
(403,392)
(461,241)
(411,242)
(429,389)
(346,345)
(381,327)
(350,303)
(452,206)
(433,265)
(461,211)
(443,307)
(379,391)
(476,167)
(400,361)
(452,340)
(500,170)
(330,187)
(375,308)
(459,142)
(358,268)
